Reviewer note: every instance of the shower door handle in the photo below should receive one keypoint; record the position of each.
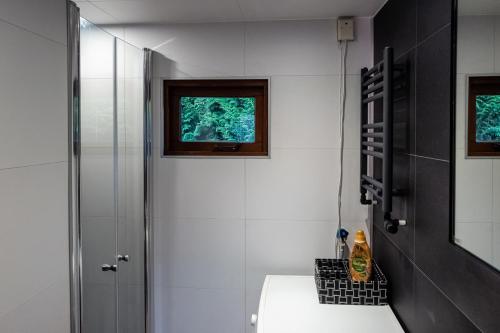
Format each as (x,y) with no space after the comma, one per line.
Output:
(107,268)
(122,257)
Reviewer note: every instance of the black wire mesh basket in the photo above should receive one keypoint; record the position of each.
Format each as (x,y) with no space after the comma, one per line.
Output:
(335,286)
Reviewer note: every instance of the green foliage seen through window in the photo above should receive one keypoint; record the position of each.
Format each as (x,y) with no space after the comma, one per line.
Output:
(488,118)
(217,119)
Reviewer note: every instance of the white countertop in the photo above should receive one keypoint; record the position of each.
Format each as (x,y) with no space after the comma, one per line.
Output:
(289,304)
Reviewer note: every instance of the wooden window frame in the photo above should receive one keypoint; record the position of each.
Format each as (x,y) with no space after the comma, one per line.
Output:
(480,85)
(173,90)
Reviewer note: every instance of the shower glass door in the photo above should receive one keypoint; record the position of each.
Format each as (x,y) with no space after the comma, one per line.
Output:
(111,184)
(130,189)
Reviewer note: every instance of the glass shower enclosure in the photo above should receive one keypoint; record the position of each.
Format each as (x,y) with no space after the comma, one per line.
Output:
(110,197)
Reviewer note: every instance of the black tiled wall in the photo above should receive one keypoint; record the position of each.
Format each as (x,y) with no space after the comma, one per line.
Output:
(435,285)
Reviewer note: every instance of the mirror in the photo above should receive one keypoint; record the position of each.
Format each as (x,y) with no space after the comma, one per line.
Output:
(477,136)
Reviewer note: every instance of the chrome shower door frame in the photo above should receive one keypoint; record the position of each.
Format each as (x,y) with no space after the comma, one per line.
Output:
(75,260)
(74,145)
(148,193)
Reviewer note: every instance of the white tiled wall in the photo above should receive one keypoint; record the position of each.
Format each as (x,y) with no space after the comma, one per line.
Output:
(478,179)
(34,286)
(221,224)
(28,60)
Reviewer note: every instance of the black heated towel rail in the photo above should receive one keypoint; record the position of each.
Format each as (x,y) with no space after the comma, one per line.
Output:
(377,138)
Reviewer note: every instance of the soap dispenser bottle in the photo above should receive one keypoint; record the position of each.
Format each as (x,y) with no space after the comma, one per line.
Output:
(360,261)
(341,247)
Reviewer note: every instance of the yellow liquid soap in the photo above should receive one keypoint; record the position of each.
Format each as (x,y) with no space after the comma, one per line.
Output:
(360,261)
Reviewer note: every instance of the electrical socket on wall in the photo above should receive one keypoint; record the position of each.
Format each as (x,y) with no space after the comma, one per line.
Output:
(345,28)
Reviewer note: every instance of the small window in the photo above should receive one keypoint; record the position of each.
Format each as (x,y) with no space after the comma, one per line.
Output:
(483,119)
(215,117)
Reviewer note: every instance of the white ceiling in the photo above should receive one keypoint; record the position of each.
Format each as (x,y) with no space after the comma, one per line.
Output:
(174,11)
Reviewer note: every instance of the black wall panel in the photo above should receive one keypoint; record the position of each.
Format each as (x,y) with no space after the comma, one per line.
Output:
(436,286)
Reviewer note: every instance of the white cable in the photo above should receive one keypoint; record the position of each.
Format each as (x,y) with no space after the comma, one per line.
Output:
(343,78)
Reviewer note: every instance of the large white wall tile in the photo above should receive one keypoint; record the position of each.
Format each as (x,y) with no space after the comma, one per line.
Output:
(137,12)
(291,48)
(198,188)
(303,48)
(476,33)
(496,191)
(131,298)
(99,241)
(496,244)
(473,189)
(47,312)
(159,298)
(203,310)
(352,114)
(460,114)
(260,10)
(96,47)
(476,237)
(33,85)
(200,50)
(46,18)
(98,309)
(252,298)
(34,293)
(292,184)
(305,111)
(97,183)
(157,114)
(202,253)
(131,236)
(360,51)
(285,247)
(130,63)
(353,213)
(33,232)
(497,44)
(168,69)
(88,9)
(97,112)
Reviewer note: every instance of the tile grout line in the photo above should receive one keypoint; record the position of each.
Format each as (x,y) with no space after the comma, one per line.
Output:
(417,44)
(415,78)
(168,286)
(33,165)
(414,206)
(203,219)
(435,33)
(310,149)
(244,48)
(20,27)
(101,10)
(244,291)
(492,212)
(317,149)
(430,158)
(444,294)
(415,90)
(222,75)
(27,300)
(415,266)
(494,46)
